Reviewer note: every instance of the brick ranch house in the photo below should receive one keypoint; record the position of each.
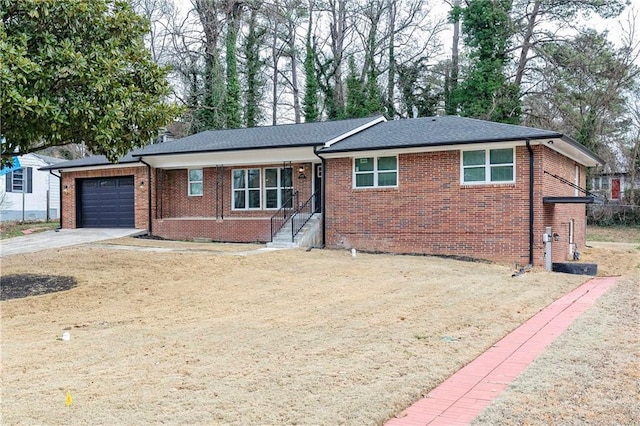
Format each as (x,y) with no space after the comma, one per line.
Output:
(440,185)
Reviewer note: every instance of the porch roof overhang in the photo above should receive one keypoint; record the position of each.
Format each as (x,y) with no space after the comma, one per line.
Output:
(568,200)
(300,154)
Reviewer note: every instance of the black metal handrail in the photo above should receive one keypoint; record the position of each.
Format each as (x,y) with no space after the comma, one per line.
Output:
(301,216)
(280,218)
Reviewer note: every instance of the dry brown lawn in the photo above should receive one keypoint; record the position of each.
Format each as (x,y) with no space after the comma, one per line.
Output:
(591,374)
(203,336)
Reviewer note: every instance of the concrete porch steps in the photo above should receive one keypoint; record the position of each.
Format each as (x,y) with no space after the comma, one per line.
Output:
(308,236)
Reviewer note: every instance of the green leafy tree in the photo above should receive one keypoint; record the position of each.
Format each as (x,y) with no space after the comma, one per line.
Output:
(78,72)
(356,93)
(529,13)
(418,98)
(583,89)
(208,100)
(485,92)
(254,80)
(310,100)
(232,97)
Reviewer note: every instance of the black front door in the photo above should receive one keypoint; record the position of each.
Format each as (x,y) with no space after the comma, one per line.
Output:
(317,187)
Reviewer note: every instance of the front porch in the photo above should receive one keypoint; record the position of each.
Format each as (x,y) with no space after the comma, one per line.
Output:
(238,203)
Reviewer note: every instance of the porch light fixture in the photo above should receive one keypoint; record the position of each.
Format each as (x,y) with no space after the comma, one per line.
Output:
(66,189)
(141,184)
(301,174)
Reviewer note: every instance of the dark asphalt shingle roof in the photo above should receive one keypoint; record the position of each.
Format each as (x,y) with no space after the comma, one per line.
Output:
(435,131)
(49,160)
(418,132)
(281,136)
(94,160)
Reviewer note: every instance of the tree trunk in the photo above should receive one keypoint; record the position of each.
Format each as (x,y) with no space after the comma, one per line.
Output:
(294,72)
(275,56)
(338,28)
(391,76)
(232,94)
(526,43)
(451,106)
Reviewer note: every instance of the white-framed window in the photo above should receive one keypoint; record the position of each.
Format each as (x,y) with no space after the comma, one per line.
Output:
(246,189)
(20,180)
(488,166)
(605,183)
(375,172)
(195,182)
(278,187)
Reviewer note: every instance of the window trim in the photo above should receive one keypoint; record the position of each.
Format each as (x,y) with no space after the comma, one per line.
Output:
(278,188)
(26,181)
(189,182)
(375,172)
(487,167)
(246,190)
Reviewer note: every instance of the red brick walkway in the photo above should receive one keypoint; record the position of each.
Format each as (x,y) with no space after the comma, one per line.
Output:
(461,398)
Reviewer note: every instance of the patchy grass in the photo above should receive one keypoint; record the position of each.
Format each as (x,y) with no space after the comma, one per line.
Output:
(589,375)
(614,234)
(285,337)
(295,337)
(16,229)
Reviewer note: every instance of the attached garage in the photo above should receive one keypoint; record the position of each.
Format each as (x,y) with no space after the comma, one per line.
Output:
(106,202)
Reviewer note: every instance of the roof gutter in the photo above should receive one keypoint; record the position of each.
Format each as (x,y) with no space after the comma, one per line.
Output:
(60,192)
(531,177)
(148,194)
(323,192)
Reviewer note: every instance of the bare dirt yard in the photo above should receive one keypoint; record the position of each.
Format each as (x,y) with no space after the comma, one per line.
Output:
(221,334)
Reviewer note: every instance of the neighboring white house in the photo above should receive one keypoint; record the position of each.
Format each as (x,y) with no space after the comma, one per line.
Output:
(27,193)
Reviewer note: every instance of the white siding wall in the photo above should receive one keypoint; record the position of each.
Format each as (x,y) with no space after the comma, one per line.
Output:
(35,203)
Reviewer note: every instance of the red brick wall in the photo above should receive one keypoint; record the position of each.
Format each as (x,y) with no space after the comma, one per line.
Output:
(430,212)
(558,216)
(69,182)
(180,216)
(241,230)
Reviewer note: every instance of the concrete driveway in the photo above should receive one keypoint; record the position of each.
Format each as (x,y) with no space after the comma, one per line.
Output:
(61,238)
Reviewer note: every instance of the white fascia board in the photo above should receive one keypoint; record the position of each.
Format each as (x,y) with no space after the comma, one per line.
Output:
(570,151)
(231,158)
(419,149)
(559,145)
(365,126)
(101,167)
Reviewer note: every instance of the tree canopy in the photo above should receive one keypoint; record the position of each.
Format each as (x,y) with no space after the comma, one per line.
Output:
(78,72)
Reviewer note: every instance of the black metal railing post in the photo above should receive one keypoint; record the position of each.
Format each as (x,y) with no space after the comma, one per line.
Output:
(305,210)
(280,217)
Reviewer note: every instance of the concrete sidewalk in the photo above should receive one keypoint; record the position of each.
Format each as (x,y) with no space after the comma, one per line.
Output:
(61,238)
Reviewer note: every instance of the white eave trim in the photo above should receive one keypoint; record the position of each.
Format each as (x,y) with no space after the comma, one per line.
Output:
(98,167)
(233,158)
(419,149)
(365,126)
(559,145)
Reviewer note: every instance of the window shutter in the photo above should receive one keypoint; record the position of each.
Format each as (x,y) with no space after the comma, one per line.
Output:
(29,185)
(8,178)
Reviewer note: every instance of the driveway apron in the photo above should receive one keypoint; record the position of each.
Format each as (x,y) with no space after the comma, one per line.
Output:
(61,238)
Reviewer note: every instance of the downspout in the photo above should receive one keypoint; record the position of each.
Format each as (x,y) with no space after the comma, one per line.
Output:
(60,193)
(531,177)
(323,192)
(148,195)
